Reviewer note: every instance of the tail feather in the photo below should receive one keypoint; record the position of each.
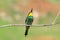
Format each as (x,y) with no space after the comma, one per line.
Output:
(26,31)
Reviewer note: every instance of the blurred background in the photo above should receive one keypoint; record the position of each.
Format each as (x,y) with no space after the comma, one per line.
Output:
(15,11)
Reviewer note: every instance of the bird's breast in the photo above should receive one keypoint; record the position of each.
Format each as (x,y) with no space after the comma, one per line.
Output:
(30,17)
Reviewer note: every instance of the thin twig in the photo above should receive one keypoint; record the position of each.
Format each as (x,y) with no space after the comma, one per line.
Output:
(56,18)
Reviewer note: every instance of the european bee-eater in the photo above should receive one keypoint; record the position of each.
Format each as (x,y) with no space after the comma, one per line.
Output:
(28,21)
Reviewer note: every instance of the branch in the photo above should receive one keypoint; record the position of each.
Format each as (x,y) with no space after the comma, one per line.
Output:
(34,25)
(8,25)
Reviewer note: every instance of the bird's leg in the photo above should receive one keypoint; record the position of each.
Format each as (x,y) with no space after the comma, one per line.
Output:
(26,31)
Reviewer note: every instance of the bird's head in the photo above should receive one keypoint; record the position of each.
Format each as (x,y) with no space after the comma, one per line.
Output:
(31,13)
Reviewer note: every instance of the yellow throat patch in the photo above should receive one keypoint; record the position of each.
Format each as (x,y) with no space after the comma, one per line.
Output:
(31,14)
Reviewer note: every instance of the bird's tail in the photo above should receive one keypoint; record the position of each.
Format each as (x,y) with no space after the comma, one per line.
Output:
(26,31)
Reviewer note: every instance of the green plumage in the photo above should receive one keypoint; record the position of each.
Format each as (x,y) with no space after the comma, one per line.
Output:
(29,20)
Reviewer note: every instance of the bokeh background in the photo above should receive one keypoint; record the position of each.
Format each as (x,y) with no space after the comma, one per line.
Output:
(15,11)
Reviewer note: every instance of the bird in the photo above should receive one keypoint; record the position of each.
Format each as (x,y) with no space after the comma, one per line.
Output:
(29,21)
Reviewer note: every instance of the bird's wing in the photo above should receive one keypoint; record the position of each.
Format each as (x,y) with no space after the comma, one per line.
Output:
(26,19)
